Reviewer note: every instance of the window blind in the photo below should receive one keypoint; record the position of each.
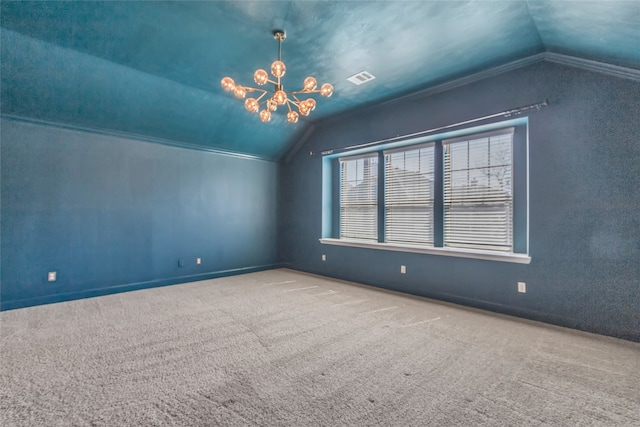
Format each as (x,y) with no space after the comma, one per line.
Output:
(359,197)
(478,199)
(409,175)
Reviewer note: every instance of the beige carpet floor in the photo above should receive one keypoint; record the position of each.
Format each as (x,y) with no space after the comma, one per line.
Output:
(283,348)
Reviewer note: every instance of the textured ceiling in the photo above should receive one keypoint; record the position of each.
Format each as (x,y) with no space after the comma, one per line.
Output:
(154,68)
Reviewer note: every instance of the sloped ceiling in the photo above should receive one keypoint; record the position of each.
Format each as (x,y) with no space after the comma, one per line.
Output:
(154,68)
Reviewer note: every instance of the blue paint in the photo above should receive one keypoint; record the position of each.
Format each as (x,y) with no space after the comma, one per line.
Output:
(521,190)
(111,214)
(64,86)
(108,212)
(327,206)
(602,30)
(584,188)
(95,292)
(434,137)
(154,68)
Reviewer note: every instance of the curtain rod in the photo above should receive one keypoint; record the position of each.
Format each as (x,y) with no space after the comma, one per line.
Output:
(508,113)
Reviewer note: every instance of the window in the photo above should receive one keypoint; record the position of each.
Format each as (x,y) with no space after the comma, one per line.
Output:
(478,199)
(408,200)
(359,197)
(463,193)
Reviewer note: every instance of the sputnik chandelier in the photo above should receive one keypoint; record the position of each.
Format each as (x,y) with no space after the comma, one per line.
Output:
(278,96)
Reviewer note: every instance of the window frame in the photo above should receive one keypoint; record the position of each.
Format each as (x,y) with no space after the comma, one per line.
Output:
(520,171)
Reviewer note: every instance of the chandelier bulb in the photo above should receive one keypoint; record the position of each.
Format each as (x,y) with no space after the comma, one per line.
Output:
(310,84)
(272,105)
(292,117)
(265,116)
(239,92)
(280,97)
(311,103)
(326,90)
(251,105)
(228,84)
(278,69)
(304,108)
(260,77)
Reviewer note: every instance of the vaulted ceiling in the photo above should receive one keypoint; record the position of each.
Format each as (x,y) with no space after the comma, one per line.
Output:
(153,69)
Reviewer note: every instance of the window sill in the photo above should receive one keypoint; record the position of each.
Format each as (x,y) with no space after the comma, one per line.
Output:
(461,253)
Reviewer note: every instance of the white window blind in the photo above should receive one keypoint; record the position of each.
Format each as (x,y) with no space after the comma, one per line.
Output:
(359,197)
(409,195)
(478,199)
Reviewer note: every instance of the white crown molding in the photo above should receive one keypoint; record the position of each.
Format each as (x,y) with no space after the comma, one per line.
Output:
(132,136)
(572,61)
(595,66)
(472,78)
(448,85)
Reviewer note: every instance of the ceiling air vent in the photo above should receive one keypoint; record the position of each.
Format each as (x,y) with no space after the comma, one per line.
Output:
(361,77)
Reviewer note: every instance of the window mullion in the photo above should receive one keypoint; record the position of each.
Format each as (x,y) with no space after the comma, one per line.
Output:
(438,203)
(381,197)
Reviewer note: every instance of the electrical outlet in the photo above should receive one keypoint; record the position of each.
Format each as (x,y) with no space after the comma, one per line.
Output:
(522,287)
(324,257)
(403,269)
(198,261)
(180,262)
(52,276)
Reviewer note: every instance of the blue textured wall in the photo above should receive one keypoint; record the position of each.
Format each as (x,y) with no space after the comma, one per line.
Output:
(111,214)
(584,180)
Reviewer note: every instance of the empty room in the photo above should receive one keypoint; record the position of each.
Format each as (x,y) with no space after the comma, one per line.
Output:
(320,213)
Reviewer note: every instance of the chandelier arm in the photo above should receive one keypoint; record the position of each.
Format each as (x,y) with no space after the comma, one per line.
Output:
(254,89)
(305,91)
(261,96)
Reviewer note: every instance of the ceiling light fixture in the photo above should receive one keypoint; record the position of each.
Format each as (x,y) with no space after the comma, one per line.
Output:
(278,96)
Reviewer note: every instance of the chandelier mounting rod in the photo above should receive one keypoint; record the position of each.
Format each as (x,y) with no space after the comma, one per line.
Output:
(280,36)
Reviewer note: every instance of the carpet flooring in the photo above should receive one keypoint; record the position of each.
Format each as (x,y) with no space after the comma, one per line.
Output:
(283,348)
